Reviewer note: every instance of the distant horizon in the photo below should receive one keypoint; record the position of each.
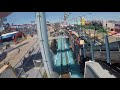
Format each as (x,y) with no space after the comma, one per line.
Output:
(52,17)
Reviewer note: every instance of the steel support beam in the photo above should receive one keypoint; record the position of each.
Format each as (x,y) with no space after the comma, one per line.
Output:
(43,38)
(107,49)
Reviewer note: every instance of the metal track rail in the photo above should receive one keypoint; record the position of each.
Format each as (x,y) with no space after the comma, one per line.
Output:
(114,68)
(65,68)
(61,58)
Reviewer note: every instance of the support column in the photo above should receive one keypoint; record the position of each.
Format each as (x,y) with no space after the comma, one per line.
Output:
(107,49)
(43,38)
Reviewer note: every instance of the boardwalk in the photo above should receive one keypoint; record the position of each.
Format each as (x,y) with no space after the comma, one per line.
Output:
(20,49)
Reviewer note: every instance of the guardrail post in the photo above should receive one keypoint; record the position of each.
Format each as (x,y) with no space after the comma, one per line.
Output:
(92,52)
(107,49)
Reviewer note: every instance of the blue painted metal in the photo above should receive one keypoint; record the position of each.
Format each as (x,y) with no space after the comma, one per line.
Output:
(107,49)
(57,65)
(74,67)
(63,53)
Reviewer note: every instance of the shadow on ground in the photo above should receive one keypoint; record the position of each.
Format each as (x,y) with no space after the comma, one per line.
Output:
(28,62)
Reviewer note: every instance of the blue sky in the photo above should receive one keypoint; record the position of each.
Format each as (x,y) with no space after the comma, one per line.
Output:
(27,17)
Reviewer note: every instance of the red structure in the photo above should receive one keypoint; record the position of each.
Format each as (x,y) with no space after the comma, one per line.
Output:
(113,32)
(75,36)
(4,14)
(18,35)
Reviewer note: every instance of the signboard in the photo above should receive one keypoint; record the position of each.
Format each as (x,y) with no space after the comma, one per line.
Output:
(82,42)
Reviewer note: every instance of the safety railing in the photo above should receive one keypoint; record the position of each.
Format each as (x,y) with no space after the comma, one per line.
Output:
(107,43)
(110,43)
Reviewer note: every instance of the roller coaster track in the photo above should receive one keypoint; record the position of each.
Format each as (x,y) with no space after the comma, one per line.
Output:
(64,64)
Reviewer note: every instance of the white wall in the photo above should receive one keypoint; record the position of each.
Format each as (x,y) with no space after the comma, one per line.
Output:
(109,24)
(98,70)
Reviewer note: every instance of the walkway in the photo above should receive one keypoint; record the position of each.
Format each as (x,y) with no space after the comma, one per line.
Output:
(19,51)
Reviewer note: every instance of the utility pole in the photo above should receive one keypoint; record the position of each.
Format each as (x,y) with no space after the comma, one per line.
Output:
(43,38)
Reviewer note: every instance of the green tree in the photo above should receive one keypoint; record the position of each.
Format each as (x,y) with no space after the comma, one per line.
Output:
(91,27)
